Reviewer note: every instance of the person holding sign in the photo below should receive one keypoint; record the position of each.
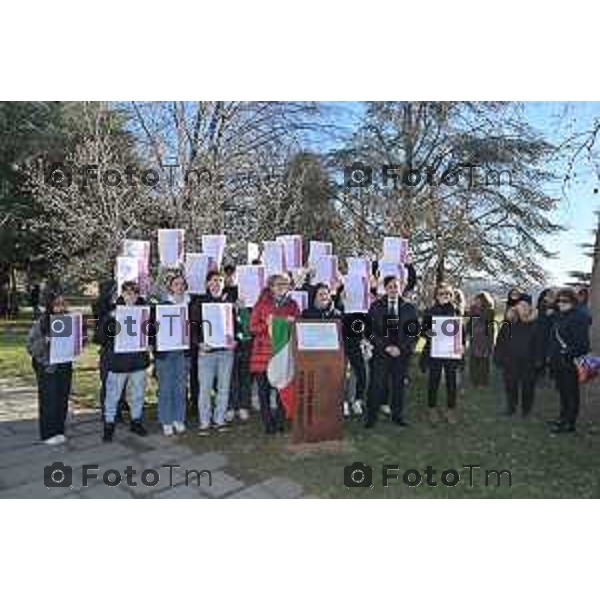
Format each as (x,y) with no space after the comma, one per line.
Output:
(53,380)
(395,329)
(274,301)
(213,331)
(443,307)
(124,368)
(172,365)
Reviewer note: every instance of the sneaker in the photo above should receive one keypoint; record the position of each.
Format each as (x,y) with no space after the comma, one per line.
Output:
(229,416)
(243,414)
(204,429)
(220,427)
(168,430)
(109,430)
(346,409)
(385,409)
(62,438)
(179,426)
(138,428)
(357,407)
(55,440)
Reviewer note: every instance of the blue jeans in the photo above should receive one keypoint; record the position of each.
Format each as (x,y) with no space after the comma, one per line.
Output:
(217,363)
(172,373)
(136,385)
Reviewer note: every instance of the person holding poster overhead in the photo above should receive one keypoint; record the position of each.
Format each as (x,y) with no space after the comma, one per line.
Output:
(274,301)
(124,368)
(53,380)
(394,332)
(172,365)
(443,307)
(214,361)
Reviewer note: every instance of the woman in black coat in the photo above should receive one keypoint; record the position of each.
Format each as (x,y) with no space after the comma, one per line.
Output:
(569,340)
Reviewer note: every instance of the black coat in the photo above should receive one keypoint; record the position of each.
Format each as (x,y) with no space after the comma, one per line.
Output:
(519,346)
(402,333)
(569,337)
(196,318)
(327,314)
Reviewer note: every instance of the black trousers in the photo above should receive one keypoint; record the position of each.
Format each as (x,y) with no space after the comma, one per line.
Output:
(479,370)
(272,419)
(436,366)
(387,381)
(53,399)
(568,390)
(519,385)
(359,368)
(240,391)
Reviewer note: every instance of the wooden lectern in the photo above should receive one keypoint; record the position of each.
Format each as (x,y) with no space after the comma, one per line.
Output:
(318,380)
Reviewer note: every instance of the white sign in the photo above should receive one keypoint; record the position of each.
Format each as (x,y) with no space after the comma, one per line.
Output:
(253,252)
(214,245)
(326,269)
(395,249)
(171,247)
(360,267)
(128,269)
(317,336)
(251,281)
(356,294)
(318,249)
(131,329)
(172,327)
(65,348)
(300,297)
(197,267)
(217,324)
(447,338)
(273,258)
(292,249)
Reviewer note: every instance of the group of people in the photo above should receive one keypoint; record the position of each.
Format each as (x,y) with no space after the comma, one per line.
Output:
(526,347)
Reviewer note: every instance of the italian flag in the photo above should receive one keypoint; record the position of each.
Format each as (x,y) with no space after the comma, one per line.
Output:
(281,366)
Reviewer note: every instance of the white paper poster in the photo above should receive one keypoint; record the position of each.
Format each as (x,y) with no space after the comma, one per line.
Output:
(128,269)
(326,269)
(140,250)
(65,348)
(172,327)
(131,329)
(217,324)
(447,338)
(300,297)
(395,249)
(197,266)
(318,249)
(273,258)
(359,267)
(356,294)
(171,247)
(317,336)
(214,245)
(292,250)
(253,252)
(251,281)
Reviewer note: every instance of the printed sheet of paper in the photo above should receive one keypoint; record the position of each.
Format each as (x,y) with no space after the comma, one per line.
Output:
(253,252)
(132,329)
(128,268)
(360,267)
(292,251)
(172,327)
(214,245)
(251,281)
(448,339)
(139,249)
(171,247)
(317,336)
(356,291)
(273,258)
(197,265)
(217,324)
(326,269)
(68,348)
(318,249)
(300,297)
(395,249)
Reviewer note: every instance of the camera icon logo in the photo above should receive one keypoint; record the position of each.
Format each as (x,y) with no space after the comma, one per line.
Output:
(358,175)
(58,475)
(358,475)
(60,326)
(58,175)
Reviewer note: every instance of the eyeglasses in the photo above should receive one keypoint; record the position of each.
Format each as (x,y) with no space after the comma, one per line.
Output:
(563,301)
(444,294)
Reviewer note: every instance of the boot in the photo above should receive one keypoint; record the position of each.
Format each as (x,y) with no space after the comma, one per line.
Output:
(138,428)
(451,416)
(433,415)
(109,430)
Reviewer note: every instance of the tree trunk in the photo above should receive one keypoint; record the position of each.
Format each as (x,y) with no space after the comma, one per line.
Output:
(595,294)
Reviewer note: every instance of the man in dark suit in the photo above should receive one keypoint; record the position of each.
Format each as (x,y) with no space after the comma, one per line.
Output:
(395,329)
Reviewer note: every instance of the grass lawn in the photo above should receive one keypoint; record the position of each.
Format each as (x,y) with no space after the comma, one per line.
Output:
(542,466)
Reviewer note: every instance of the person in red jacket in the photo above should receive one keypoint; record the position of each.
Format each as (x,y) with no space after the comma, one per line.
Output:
(274,301)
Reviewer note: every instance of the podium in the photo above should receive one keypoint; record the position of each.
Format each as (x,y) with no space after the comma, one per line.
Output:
(318,380)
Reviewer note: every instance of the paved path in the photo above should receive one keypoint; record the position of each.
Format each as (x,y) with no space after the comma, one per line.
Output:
(23,459)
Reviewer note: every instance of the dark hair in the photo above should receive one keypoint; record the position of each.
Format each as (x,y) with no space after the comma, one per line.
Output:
(321,286)
(541,301)
(388,279)
(567,294)
(51,297)
(583,294)
(213,273)
(229,269)
(130,285)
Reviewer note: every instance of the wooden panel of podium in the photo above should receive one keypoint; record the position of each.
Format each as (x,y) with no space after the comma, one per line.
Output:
(318,381)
